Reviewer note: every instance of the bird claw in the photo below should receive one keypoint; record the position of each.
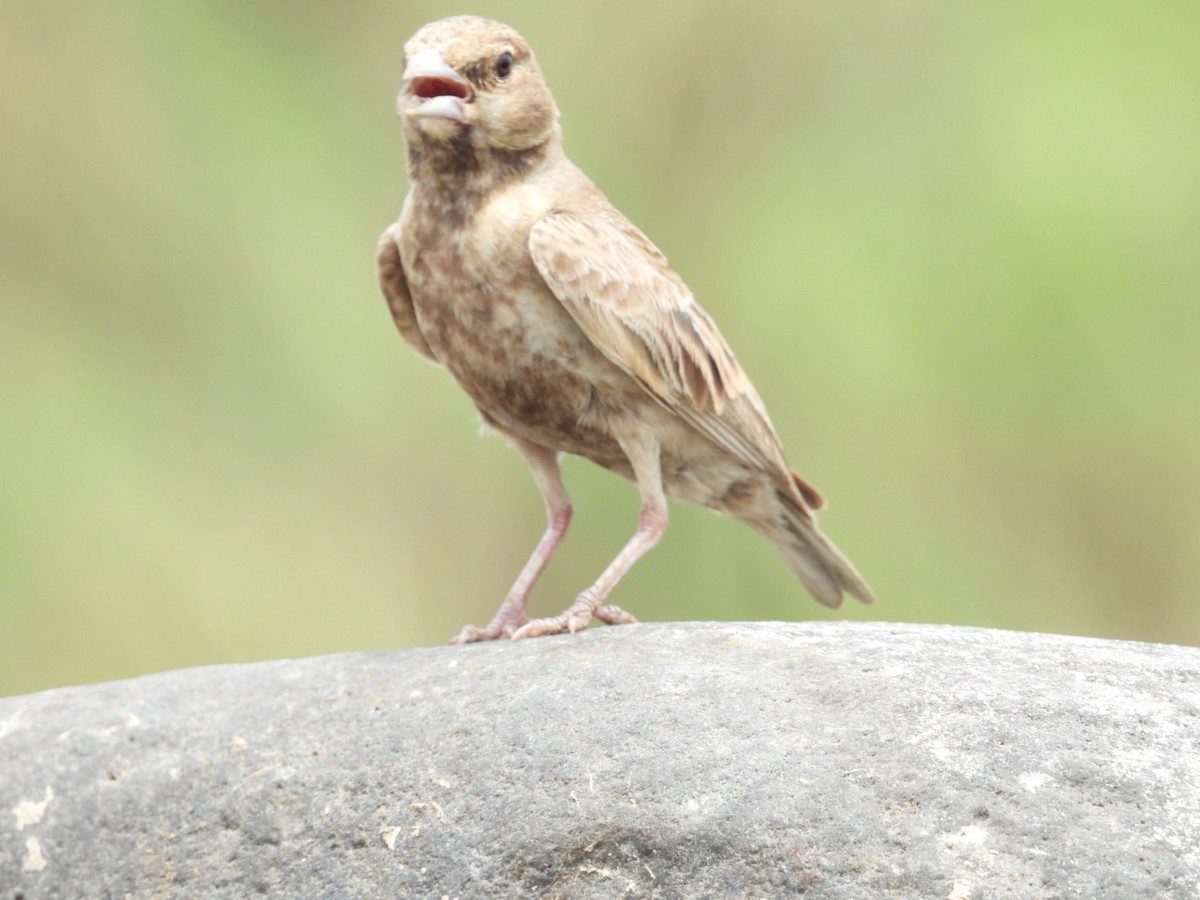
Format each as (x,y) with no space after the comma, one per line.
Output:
(471,634)
(614,615)
(553,625)
(577,618)
(505,624)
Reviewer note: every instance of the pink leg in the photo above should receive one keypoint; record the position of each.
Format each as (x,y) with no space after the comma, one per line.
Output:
(511,616)
(643,453)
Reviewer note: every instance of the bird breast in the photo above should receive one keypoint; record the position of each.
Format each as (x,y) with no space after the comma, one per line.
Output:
(494,324)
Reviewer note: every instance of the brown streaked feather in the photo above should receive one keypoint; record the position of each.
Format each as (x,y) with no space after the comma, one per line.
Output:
(810,494)
(390,269)
(638,312)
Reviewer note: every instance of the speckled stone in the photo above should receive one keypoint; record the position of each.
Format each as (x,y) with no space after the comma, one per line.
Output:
(833,760)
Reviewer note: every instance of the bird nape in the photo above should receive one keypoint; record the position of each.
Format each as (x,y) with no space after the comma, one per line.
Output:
(568,328)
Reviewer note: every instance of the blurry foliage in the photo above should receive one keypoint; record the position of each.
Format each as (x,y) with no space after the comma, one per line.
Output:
(957,247)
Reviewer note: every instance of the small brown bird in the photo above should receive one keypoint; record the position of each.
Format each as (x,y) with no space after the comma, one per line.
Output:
(568,328)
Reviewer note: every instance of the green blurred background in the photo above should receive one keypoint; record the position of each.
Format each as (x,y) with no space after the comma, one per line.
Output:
(957,246)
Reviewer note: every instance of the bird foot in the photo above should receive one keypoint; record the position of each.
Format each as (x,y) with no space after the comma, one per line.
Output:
(575,619)
(471,634)
(505,624)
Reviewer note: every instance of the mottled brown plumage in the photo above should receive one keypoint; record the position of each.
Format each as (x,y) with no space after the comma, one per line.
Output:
(568,328)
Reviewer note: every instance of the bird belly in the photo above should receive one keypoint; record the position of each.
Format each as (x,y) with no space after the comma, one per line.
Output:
(527,366)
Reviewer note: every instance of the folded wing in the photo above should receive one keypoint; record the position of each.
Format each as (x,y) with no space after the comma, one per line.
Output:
(633,306)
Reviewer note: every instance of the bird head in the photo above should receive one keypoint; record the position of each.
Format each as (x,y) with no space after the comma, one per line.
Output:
(474,81)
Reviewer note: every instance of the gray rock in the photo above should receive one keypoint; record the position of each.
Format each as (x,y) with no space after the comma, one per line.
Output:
(689,760)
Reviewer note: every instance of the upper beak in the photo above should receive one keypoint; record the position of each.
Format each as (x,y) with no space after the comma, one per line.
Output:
(434,89)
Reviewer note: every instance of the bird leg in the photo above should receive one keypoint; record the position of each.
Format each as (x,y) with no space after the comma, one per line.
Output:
(543,464)
(643,454)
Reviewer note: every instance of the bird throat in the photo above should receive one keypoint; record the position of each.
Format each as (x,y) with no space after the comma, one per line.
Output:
(458,168)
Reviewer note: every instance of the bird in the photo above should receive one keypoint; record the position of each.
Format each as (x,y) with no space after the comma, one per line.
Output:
(569,329)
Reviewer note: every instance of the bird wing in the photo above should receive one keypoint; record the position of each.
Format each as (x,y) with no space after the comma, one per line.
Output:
(633,306)
(390,269)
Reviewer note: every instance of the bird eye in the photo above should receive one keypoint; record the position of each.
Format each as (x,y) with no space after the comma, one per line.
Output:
(504,65)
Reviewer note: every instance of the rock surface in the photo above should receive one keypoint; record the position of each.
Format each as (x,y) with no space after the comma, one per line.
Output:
(685,760)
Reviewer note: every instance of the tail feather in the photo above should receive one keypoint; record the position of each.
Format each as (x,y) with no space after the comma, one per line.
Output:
(814,559)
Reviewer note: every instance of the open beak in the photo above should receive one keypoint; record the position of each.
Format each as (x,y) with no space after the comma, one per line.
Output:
(434,90)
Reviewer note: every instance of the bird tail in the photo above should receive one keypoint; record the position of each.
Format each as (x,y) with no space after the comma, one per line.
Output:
(821,567)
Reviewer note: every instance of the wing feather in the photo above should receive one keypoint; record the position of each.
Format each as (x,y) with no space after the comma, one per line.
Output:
(634,307)
(390,269)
